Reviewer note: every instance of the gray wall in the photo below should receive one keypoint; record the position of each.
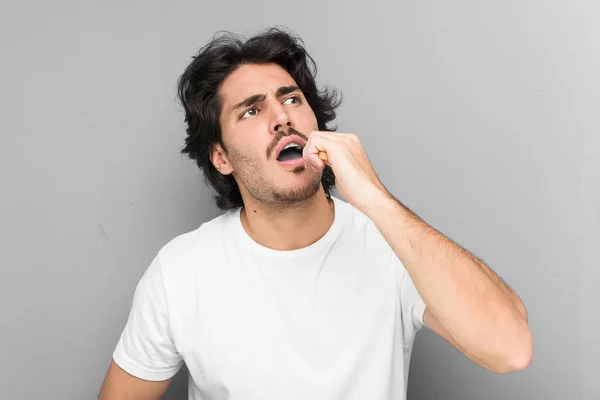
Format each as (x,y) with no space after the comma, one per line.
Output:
(481,116)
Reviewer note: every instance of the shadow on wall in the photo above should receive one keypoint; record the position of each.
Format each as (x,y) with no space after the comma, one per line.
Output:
(178,388)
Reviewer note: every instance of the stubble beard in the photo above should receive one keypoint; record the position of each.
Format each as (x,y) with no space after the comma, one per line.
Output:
(251,176)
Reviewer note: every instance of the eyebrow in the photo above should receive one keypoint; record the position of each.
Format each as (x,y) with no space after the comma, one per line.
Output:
(282,91)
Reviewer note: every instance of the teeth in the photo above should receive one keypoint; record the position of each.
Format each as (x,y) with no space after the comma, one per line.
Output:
(296,145)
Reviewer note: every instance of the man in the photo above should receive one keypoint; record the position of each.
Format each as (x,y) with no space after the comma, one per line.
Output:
(293,293)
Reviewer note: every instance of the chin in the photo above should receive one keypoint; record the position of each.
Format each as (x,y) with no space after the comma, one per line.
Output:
(300,190)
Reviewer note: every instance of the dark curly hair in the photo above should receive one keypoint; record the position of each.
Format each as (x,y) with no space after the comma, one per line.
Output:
(198,90)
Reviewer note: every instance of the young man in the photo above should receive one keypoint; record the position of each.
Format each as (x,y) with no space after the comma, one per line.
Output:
(292,293)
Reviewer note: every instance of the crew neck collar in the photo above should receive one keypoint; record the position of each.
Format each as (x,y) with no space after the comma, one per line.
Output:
(332,233)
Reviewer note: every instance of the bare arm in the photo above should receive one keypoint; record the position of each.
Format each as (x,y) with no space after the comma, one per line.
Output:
(467,303)
(119,385)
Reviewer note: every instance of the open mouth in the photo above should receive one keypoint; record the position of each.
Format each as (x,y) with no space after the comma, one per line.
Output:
(292,151)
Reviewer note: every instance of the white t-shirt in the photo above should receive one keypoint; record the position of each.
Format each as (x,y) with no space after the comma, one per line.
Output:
(334,320)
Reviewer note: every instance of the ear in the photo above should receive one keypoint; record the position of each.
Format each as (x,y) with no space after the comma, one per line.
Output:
(218,157)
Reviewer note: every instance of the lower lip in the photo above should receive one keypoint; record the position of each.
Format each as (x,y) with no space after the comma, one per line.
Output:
(297,162)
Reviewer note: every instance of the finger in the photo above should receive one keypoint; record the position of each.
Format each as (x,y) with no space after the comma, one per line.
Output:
(321,142)
(314,161)
(333,136)
(317,149)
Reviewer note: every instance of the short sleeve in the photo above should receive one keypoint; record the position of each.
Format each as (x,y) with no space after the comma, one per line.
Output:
(145,348)
(413,306)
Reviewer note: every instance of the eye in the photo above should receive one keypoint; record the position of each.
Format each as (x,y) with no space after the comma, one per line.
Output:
(296,100)
(249,113)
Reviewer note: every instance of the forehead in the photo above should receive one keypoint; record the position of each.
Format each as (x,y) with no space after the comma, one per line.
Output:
(252,79)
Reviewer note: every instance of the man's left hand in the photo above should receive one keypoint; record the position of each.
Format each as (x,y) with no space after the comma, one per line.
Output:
(355,177)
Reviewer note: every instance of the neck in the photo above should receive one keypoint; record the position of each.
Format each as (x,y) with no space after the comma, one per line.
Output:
(290,226)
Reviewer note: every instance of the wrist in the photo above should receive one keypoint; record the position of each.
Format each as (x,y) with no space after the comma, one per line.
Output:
(380,206)
(389,214)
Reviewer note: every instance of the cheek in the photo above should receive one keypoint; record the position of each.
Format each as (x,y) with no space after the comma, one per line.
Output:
(244,158)
(308,115)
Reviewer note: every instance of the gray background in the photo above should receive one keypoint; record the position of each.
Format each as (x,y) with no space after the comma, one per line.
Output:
(481,116)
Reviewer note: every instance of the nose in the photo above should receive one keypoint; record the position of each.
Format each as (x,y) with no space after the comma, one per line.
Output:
(281,119)
(280,127)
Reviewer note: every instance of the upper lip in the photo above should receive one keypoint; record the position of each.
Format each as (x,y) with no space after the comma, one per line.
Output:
(287,140)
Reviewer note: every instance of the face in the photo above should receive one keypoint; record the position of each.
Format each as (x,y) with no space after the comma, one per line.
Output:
(262,111)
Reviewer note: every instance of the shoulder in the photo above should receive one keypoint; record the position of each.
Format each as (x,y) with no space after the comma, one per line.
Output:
(185,248)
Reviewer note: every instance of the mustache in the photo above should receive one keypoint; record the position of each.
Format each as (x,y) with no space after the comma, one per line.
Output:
(289,131)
